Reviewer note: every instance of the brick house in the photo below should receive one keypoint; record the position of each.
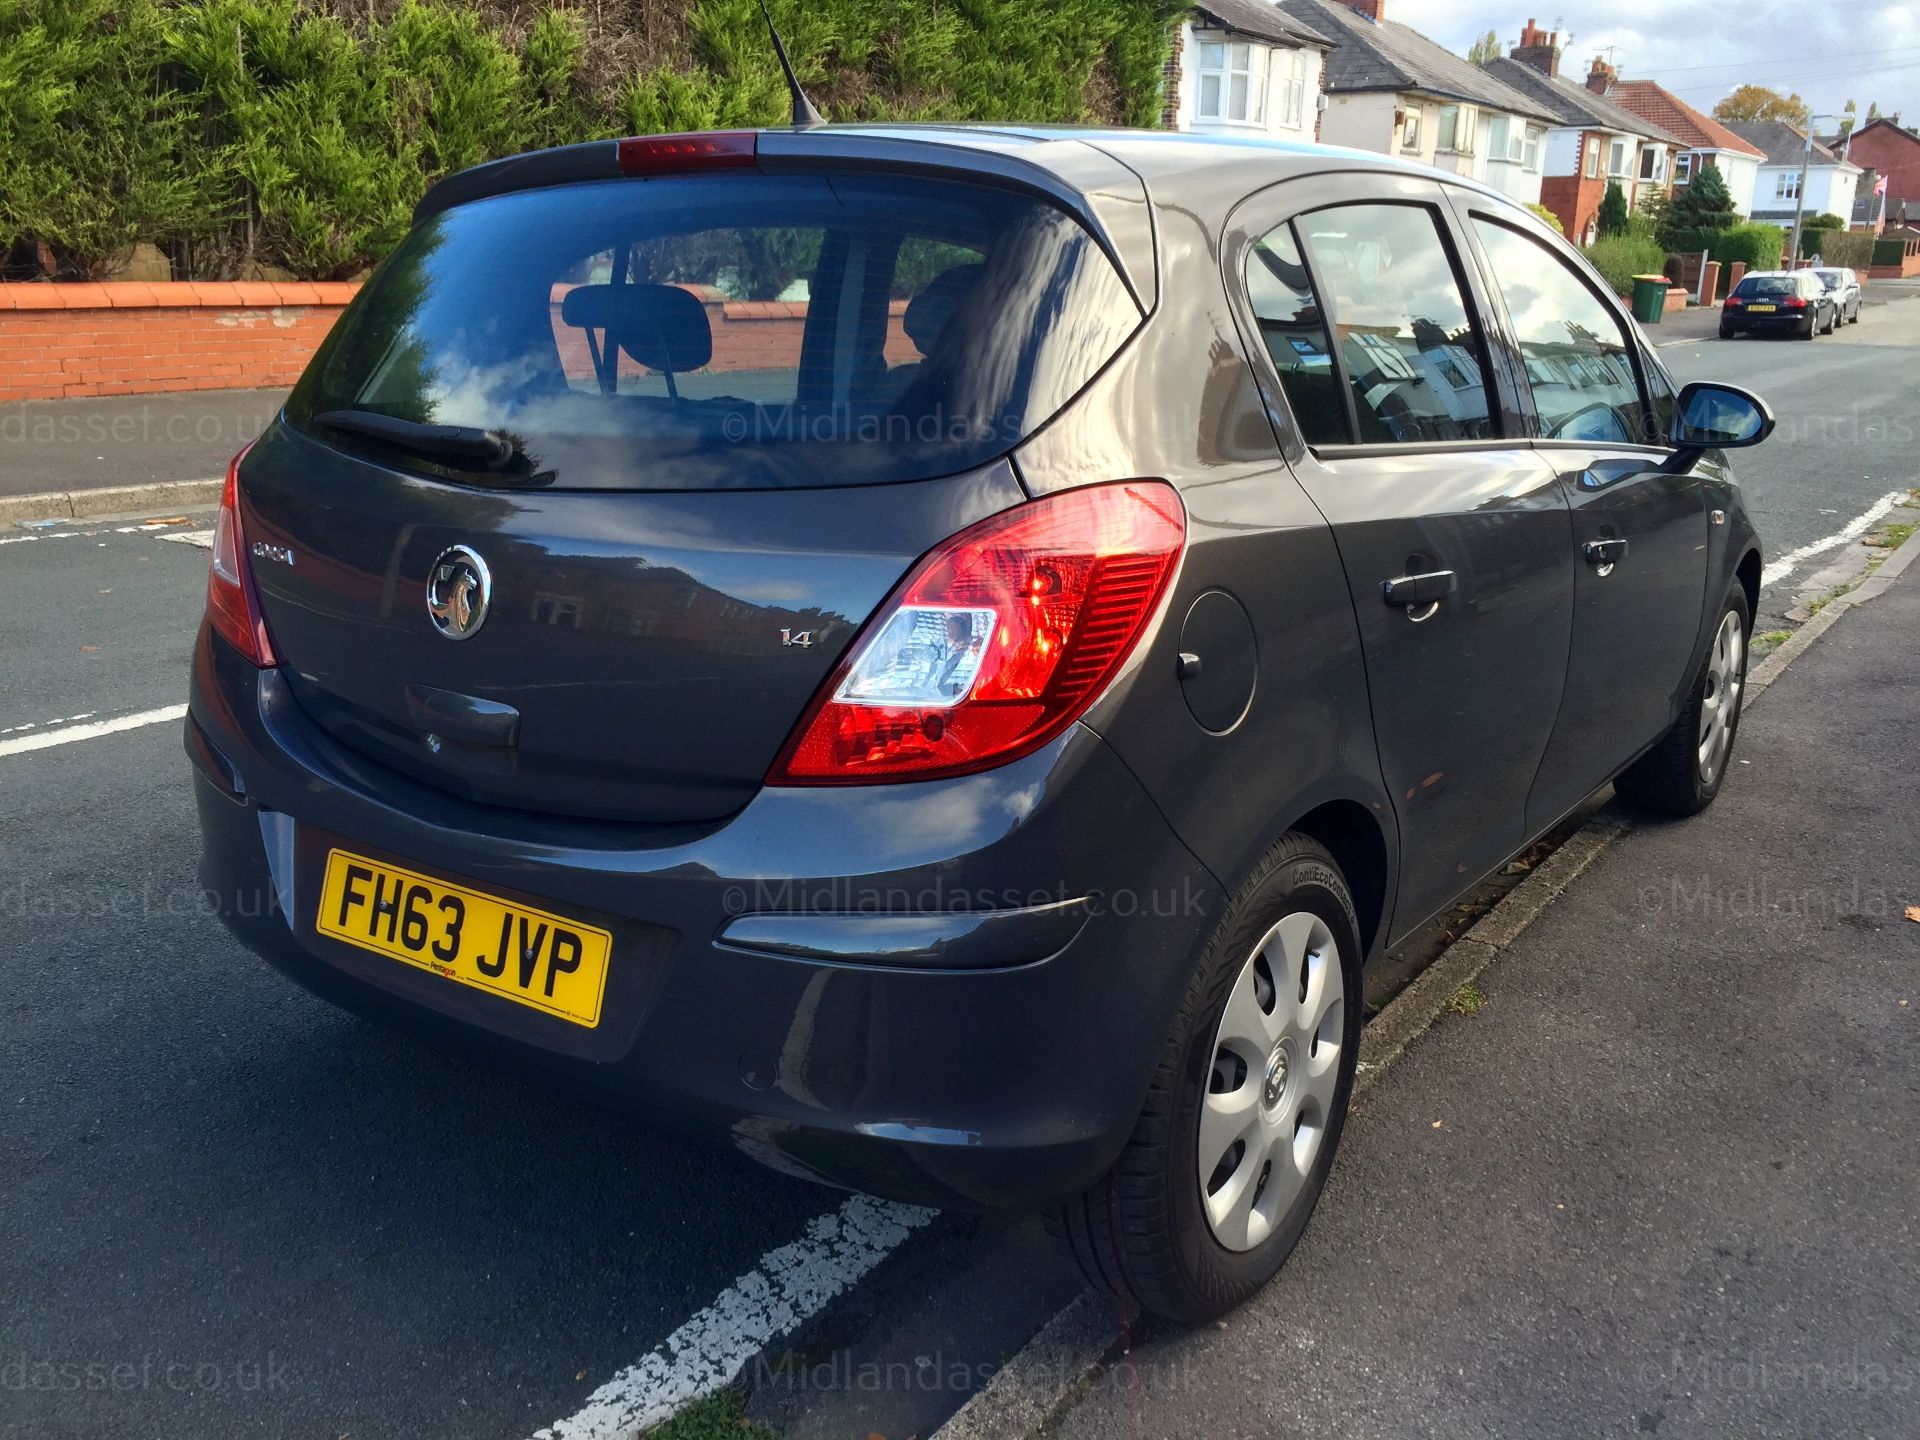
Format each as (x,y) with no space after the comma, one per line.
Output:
(1593,142)
(1893,153)
(1392,90)
(1240,67)
(1709,144)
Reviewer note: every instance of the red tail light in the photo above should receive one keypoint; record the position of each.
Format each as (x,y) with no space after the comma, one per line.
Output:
(233,602)
(661,154)
(996,641)
(1797,302)
(1736,300)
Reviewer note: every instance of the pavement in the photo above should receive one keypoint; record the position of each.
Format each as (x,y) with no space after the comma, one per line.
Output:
(51,446)
(1665,1180)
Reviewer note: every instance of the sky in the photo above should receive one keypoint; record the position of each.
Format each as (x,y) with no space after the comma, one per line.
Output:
(1830,51)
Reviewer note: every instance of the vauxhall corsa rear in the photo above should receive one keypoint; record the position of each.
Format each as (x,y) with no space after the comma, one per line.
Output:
(876,640)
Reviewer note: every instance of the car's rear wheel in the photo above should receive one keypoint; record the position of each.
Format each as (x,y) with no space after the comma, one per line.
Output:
(1682,774)
(1726,331)
(1246,1106)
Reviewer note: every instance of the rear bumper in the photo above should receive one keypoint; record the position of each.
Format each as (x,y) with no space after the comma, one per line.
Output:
(1794,322)
(951,992)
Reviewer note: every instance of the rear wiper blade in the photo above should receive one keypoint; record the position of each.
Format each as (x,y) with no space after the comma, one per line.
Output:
(468,443)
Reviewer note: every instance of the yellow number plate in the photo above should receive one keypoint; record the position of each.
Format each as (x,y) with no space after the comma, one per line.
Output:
(547,961)
(1761,309)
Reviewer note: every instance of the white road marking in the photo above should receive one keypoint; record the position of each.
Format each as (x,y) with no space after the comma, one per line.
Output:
(68,735)
(202,538)
(43,724)
(788,1286)
(1854,529)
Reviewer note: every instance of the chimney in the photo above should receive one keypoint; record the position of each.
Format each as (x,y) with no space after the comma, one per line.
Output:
(1374,10)
(1600,76)
(1540,49)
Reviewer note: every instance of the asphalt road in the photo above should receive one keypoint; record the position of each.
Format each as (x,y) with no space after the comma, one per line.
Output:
(229,1210)
(1847,427)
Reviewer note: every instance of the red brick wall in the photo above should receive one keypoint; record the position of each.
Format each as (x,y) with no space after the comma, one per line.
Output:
(125,338)
(1574,199)
(1894,156)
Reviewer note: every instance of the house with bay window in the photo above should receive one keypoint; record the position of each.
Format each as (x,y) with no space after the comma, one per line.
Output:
(1239,66)
(1391,89)
(1593,143)
(1708,144)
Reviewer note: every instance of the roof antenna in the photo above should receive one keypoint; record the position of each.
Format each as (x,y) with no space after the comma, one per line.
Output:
(803,112)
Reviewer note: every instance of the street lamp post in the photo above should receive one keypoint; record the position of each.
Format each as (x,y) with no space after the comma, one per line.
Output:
(1800,192)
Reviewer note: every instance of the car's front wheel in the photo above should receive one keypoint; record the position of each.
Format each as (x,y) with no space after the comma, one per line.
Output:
(1682,774)
(1246,1106)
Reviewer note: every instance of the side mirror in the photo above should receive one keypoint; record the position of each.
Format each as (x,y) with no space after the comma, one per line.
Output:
(1719,417)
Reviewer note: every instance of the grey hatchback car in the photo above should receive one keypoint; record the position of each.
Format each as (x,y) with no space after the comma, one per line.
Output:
(941,653)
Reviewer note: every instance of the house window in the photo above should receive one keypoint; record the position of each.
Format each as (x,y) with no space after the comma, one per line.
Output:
(1500,140)
(1786,185)
(1456,129)
(1653,163)
(1293,92)
(1593,157)
(1683,167)
(1530,156)
(1233,83)
(1617,158)
(1410,130)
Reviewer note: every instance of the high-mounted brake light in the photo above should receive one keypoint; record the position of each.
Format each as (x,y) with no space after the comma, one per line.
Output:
(996,641)
(233,601)
(665,154)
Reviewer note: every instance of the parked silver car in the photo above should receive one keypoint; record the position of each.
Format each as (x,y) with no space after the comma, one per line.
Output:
(1844,286)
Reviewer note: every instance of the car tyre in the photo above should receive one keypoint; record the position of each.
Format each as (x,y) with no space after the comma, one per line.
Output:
(1683,772)
(1726,331)
(1281,976)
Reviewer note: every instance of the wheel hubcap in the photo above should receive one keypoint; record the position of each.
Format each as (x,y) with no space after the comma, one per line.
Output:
(1276,1066)
(1720,695)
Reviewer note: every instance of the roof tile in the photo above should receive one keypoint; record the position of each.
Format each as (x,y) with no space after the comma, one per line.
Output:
(1672,114)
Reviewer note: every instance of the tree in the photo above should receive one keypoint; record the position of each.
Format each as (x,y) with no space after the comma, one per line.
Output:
(1486,48)
(1613,210)
(1848,119)
(1699,212)
(1757,102)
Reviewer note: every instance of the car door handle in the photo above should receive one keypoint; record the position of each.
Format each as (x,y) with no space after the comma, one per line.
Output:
(1419,595)
(1605,554)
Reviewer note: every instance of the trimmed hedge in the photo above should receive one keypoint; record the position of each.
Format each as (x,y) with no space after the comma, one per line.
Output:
(1759,245)
(1838,247)
(296,135)
(1547,216)
(1619,258)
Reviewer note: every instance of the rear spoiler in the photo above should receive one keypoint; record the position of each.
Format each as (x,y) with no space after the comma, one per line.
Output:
(1097,190)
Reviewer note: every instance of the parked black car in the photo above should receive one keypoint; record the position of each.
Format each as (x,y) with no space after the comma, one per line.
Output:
(1791,302)
(1844,286)
(944,651)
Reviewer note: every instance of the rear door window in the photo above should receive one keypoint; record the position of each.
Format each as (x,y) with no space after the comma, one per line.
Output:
(1294,331)
(1579,356)
(730,331)
(1410,353)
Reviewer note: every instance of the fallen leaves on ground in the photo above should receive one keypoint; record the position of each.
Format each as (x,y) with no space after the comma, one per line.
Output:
(1913,913)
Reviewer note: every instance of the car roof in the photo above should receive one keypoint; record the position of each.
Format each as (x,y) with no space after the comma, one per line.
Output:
(1207,173)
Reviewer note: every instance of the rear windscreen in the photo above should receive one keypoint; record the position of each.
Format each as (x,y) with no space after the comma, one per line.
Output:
(730,331)
(1768,285)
